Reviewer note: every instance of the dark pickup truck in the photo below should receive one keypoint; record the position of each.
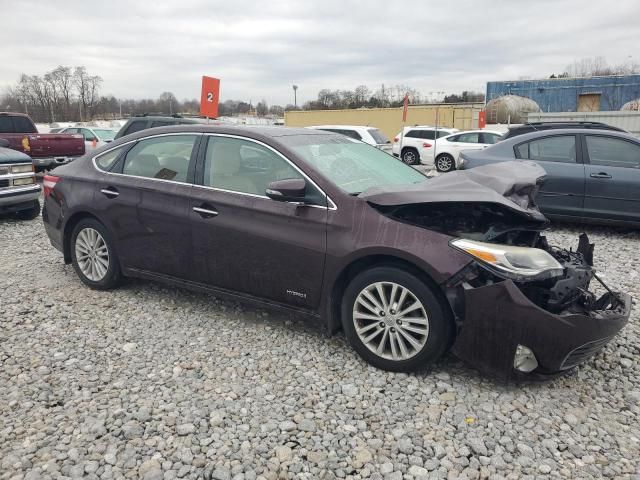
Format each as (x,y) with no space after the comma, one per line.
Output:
(19,192)
(47,150)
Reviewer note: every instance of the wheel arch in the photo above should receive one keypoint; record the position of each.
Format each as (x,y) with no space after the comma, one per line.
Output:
(333,304)
(70,224)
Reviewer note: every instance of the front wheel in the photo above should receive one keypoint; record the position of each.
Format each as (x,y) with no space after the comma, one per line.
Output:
(94,256)
(394,320)
(445,163)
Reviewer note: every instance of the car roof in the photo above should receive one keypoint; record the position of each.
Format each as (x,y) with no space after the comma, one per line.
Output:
(250,131)
(568,131)
(354,127)
(478,130)
(164,117)
(429,127)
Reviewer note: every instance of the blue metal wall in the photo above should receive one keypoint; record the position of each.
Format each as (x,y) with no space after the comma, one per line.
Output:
(561,94)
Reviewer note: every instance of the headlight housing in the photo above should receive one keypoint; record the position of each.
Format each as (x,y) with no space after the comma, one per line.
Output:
(508,261)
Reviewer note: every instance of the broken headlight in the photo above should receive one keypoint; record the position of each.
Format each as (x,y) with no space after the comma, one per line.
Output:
(508,261)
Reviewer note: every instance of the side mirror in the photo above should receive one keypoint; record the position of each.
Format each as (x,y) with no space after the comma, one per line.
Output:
(4,143)
(289,190)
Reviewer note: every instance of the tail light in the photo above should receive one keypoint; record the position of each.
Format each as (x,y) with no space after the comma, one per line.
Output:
(426,145)
(49,183)
(396,139)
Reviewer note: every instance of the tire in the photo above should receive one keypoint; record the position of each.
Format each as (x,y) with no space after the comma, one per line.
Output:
(92,237)
(428,346)
(30,213)
(410,156)
(445,163)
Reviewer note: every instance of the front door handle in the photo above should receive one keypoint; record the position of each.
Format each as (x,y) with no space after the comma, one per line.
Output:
(110,192)
(600,175)
(205,212)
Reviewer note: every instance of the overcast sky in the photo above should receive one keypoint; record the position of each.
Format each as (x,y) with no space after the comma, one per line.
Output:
(260,48)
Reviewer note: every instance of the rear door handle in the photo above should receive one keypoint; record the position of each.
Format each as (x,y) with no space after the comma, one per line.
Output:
(600,175)
(205,212)
(110,192)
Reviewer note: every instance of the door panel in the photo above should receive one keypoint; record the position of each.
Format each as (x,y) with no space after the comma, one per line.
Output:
(246,242)
(254,245)
(145,201)
(562,193)
(612,178)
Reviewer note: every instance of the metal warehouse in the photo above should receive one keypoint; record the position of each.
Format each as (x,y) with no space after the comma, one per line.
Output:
(583,94)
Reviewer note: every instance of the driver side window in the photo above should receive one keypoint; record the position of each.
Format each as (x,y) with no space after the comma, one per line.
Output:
(243,166)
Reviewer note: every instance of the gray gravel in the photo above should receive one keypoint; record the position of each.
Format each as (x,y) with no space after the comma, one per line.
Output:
(158,383)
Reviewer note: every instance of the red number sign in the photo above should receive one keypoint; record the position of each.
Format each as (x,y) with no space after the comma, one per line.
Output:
(209,97)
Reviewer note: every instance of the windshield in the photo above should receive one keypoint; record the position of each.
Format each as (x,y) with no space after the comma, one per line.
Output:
(353,166)
(105,134)
(378,136)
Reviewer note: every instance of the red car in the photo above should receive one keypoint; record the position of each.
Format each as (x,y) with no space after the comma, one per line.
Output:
(47,150)
(323,225)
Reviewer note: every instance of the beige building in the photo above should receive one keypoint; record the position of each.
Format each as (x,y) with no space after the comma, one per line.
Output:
(455,115)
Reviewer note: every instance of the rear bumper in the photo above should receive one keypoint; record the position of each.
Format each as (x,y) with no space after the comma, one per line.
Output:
(14,199)
(499,317)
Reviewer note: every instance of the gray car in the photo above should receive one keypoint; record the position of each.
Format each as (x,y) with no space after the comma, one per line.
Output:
(592,176)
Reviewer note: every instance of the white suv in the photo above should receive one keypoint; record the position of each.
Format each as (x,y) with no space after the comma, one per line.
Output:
(370,135)
(416,140)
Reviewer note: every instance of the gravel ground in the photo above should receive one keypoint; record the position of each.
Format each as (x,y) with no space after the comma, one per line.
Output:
(156,382)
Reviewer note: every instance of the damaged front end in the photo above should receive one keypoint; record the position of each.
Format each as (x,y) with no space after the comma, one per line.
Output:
(535,326)
(523,308)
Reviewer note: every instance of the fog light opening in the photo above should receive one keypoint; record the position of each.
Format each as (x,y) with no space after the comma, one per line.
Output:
(524,359)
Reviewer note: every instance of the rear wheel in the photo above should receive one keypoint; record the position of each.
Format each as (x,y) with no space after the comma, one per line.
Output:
(93,255)
(394,320)
(445,163)
(30,213)
(410,156)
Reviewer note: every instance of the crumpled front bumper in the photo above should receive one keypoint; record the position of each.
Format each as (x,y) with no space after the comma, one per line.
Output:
(499,317)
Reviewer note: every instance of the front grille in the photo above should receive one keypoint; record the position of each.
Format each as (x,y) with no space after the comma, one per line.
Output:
(583,353)
(4,182)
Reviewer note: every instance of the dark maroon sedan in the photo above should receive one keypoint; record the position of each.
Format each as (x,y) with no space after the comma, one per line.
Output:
(327,226)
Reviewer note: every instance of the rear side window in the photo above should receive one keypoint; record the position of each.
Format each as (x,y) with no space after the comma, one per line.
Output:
(413,134)
(468,138)
(107,160)
(164,158)
(561,149)
(23,125)
(136,127)
(490,138)
(613,152)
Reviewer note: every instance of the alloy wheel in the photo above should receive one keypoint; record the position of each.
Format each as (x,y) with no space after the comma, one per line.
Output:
(409,157)
(92,254)
(390,321)
(445,163)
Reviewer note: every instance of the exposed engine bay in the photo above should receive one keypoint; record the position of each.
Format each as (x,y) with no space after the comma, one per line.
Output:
(495,223)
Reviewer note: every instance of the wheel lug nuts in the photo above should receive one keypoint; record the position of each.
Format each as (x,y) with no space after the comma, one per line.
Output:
(393,312)
(393,330)
(382,325)
(399,322)
(381,313)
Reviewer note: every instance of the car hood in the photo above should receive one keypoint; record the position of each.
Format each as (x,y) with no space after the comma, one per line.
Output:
(513,185)
(8,155)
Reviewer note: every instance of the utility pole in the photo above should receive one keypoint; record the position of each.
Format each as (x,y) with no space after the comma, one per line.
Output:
(295,96)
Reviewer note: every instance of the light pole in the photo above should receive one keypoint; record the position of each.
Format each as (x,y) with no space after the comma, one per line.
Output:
(295,96)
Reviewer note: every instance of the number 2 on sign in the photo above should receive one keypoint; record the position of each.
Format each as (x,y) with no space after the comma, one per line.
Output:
(209,97)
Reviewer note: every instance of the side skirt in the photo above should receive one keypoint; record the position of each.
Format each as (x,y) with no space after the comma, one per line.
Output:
(219,292)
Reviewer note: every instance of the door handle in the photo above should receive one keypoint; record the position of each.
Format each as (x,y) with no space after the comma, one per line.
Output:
(600,175)
(109,192)
(205,212)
